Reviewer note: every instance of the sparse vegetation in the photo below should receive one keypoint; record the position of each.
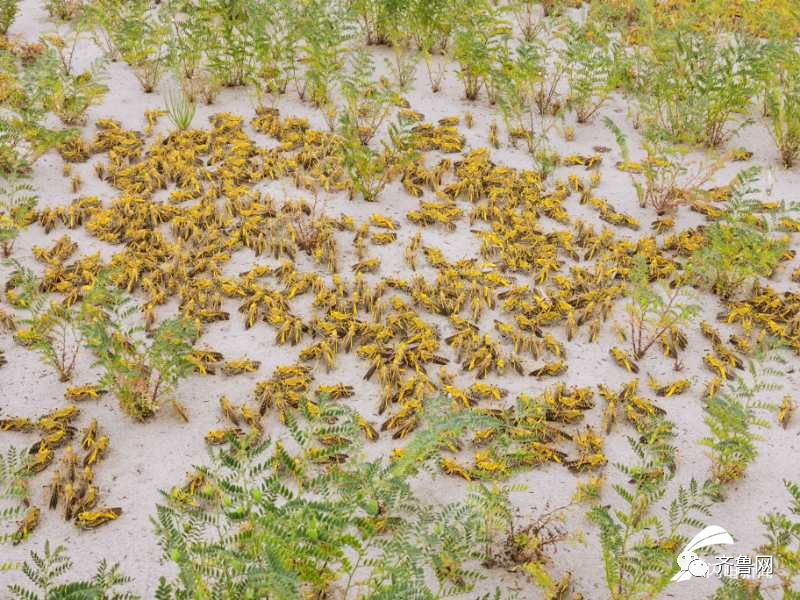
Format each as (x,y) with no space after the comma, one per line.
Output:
(8,10)
(314,525)
(732,416)
(46,573)
(638,546)
(180,109)
(783,541)
(17,210)
(51,330)
(14,494)
(654,310)
(142,375)
(738,248)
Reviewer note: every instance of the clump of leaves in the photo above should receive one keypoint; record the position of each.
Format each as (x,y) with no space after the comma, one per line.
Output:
(516,543)
(366,103)
(732,416)
(140,37)
(738,249)
(228,44)
(639,547)
(477,43)
(13,496)
(46,572)
(526,16)
(526,93)
(105,19)
(783,105)
(8,10)
(324,31)
(398,26)
(272,522)
(52,329)
(24,136)
(53,83)
(783,542)
(368,170)
(592,72)
(432,23)
(276,39)
(17,211)
(694,88)
(654,308)
(142,373)
(64,10)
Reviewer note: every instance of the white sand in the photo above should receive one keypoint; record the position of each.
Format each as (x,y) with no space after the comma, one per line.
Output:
(145,458)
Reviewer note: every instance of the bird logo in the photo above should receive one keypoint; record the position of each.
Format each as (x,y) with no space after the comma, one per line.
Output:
(692,565)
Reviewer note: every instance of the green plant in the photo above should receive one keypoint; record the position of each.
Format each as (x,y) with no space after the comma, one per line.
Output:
(524,96)
(432,23)
(516,543)
(24,138)
(64,10)
(477,43)
(738,248)
(324,30)
(526,15)
(227,38)
(180,109)
(783,542)
(368,170)
(51,330)
(731,416)
(398,26)
(141,38)
(652,312)
(13,496)
(783,105)
(142,374)
(46,571)
(693,86)
(366,103)
(24,135)
(104,19)
(17,211)
(271,522)
(664,180)
(8,10)
(592,74)
(52,82)
(276,35)
(638,547)
(186,40)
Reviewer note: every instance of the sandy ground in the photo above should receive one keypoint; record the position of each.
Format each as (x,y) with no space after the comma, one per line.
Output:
(146,458)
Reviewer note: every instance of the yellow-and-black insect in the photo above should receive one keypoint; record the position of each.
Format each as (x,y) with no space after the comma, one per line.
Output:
(551,369)
(83,392)
(718,367)
(238,367)
(786,411)
(28,523)
(624,360)
(95,518)
(216,437)
(96,450)
(669,389)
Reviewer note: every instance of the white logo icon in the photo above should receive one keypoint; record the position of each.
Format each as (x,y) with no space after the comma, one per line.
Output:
(692,565)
